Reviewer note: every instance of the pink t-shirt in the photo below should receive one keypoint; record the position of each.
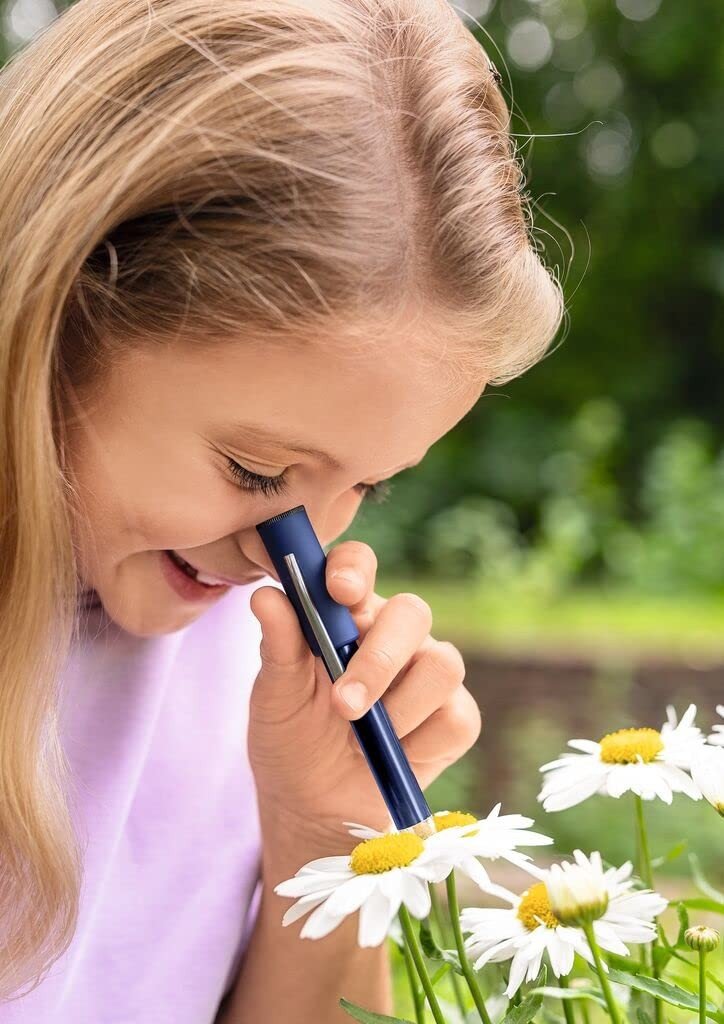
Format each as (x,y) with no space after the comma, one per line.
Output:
(163,797)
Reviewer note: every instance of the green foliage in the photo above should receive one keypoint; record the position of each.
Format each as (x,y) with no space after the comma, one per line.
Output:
(603,463)
(433,952)
(367,1016)
(669,542)
(592,994)
(525,1011)
(672,994)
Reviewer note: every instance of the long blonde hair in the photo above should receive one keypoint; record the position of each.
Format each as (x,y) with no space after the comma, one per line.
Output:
(201,169)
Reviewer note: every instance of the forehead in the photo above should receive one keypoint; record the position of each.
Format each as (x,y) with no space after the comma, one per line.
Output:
(371,406)
(395,396)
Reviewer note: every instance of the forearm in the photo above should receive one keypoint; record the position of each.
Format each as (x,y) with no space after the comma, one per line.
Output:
(285,978)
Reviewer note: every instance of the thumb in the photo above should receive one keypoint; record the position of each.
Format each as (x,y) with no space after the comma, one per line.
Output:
(287,664)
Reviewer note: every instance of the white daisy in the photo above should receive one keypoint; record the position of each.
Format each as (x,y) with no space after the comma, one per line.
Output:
(717,736)
(528,929)
(578,892)
(707,771)
(493,837)
(649,762)
(379,875)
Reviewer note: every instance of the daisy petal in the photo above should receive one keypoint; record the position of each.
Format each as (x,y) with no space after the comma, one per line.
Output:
(362,831)
(415,896)
(302,907)
(320,923)
(304,885)
(375,917)
(351,894)
(518,968)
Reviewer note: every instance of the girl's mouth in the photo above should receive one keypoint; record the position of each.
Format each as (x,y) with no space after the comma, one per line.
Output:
(190,571)
(187,581)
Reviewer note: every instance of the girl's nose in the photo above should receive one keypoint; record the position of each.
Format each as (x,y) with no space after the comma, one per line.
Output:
(331,513)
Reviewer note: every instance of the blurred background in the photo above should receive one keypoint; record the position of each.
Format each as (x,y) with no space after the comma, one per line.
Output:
(569,534)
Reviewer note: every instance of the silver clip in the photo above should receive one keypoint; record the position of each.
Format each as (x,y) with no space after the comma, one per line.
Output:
(329,654)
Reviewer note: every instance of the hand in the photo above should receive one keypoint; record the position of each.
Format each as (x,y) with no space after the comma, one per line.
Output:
(309,770)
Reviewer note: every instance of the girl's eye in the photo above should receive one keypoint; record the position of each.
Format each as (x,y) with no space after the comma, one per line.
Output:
(249,481)
(269,485)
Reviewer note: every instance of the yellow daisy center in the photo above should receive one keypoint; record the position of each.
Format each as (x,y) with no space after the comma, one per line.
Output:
(450,819)
(383,853)
(535,908)
(627,746)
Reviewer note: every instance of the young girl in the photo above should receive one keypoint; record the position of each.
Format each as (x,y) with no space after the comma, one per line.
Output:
(253,254)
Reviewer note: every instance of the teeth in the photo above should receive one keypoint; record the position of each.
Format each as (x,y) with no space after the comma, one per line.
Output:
(202,577)
(209,580)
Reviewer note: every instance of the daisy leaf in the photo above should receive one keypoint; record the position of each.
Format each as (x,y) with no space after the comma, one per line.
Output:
(368,1016)
(594,994)
(643,1017)
(431,949)
(671,994)
(525,1011)
(683,915)
(704,904)
(623,963)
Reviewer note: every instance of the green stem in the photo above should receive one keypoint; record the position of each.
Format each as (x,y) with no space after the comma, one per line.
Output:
(702,986)
(442,927)
(452,902)
(643,844)
(647,876)
(418,997)
(416,954)
(601,972)
(567,1008)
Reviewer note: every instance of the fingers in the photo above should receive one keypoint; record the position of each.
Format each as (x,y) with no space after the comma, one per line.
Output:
(286,679)
(351,572)
(447,734)
(283,648)
(401,626)
(429,683)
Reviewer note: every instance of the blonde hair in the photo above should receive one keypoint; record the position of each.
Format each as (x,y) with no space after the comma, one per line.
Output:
(209,169)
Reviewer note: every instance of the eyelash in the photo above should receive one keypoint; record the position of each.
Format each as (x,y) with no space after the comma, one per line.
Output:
(269,485)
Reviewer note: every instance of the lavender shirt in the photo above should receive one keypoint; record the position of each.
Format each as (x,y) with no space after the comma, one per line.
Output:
(154,729)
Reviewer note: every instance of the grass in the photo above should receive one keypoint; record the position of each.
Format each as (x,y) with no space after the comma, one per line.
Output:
(584,621)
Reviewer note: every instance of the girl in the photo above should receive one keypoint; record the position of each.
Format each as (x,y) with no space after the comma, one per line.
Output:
(254,254)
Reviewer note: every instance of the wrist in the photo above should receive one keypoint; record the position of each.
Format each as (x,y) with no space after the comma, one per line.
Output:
(290,840)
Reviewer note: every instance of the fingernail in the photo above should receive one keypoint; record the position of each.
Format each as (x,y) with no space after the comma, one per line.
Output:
(348,575)
(355,695)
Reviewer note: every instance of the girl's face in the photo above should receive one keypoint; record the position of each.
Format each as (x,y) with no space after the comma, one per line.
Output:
(152,456)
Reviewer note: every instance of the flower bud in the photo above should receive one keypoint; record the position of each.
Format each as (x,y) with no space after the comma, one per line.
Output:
(577,896)
(701,938)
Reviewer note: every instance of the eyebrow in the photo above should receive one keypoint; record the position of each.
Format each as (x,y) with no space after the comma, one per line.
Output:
(253,432)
